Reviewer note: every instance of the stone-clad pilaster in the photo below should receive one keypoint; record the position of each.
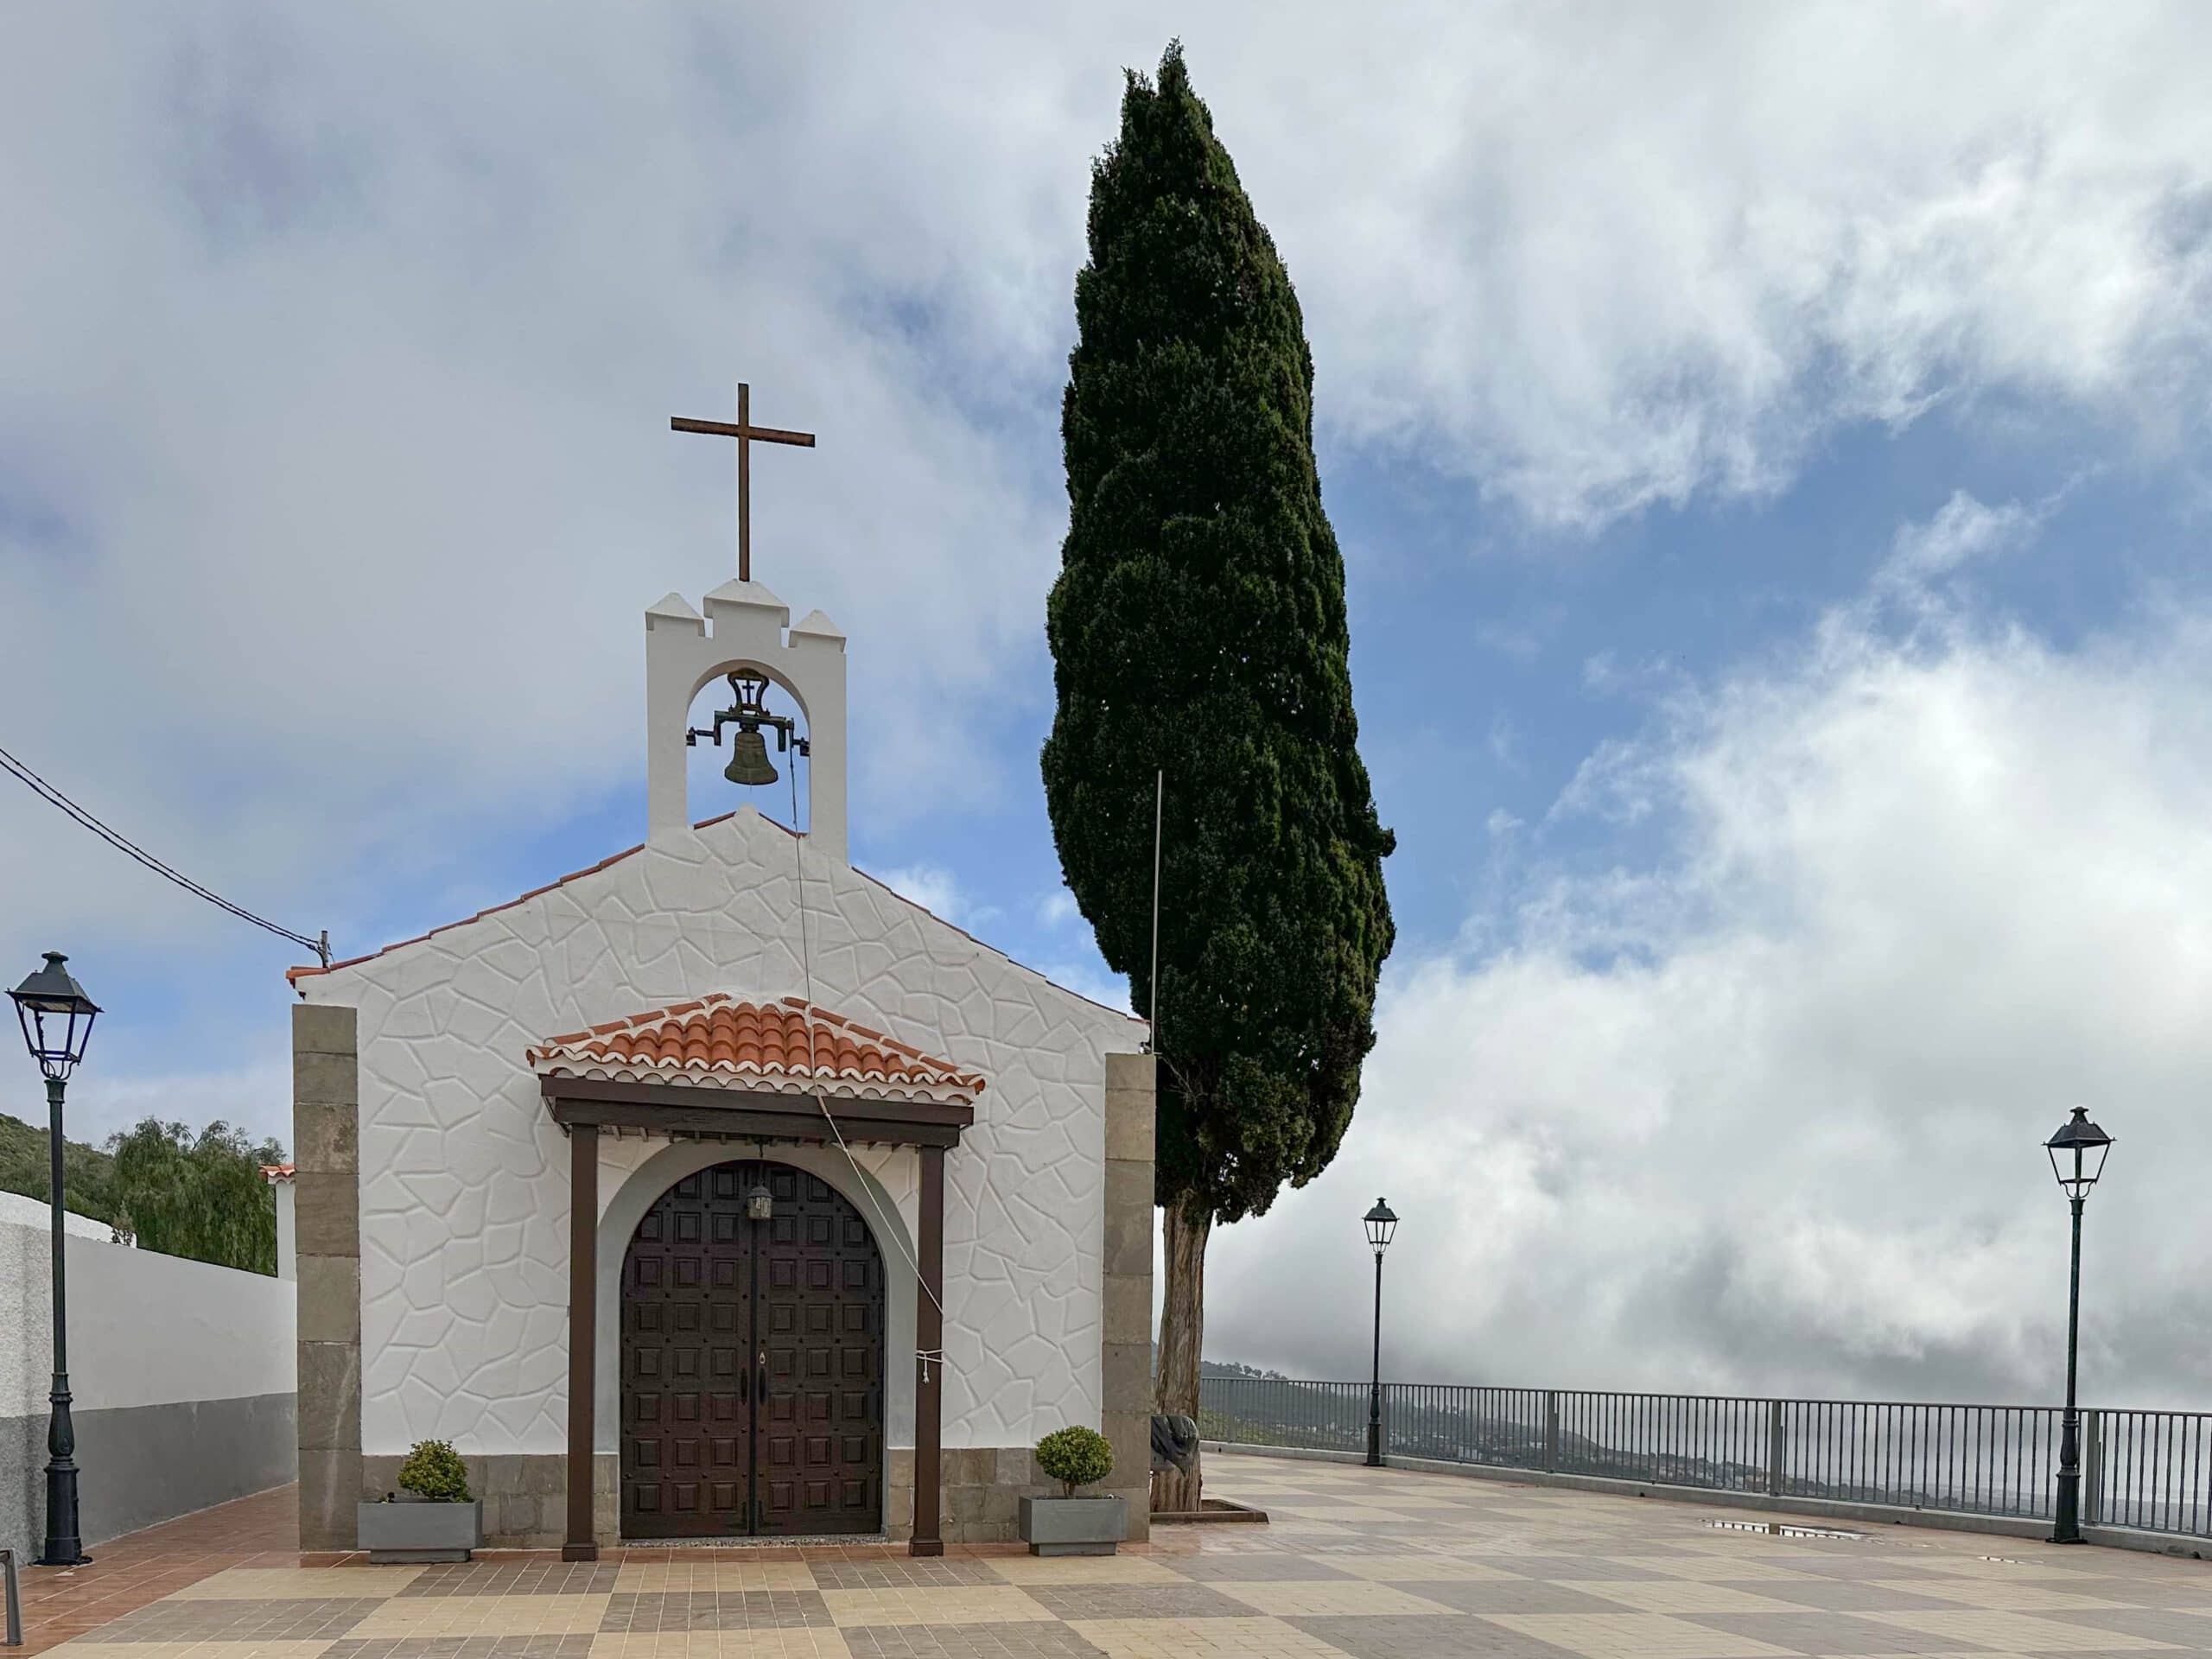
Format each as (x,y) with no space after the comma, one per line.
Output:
(325,1153)
(1125,1349)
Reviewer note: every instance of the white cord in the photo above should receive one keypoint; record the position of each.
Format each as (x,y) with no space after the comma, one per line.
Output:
(860,1177)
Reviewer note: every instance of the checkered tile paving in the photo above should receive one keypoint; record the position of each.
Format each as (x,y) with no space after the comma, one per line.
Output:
(1360,1563)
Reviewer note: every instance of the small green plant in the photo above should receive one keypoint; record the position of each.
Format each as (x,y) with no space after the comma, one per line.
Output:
(1075,1457)
(434,1470)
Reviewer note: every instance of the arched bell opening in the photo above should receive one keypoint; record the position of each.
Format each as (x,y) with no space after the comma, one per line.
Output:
(749,743)
(752,1318)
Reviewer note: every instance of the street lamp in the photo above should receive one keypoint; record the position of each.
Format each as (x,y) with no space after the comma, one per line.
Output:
(2077,1158)
(1381,1222)
(57,1020)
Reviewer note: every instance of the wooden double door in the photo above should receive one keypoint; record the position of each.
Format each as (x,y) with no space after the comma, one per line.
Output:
(751,1361)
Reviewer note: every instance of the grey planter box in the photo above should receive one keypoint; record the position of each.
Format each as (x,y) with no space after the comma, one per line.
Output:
(412,1530)
(1073,1526)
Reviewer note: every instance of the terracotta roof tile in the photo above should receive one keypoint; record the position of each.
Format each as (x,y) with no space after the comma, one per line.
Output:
(790,1044)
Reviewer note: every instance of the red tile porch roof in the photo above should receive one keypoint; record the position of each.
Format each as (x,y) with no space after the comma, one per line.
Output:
(790,1046)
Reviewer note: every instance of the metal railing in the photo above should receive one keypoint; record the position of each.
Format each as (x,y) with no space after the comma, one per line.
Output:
(2149,1471)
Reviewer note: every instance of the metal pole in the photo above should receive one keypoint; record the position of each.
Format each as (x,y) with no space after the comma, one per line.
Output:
(2066,1521)
(64,1545)
(15,1599)
(1375,1396)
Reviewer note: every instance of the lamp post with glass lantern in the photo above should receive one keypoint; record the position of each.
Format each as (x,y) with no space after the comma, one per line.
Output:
(2077,1158)
(57,1018)
(1382,1224)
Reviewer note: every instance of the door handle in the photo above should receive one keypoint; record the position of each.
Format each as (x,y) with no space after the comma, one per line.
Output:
(761,1378)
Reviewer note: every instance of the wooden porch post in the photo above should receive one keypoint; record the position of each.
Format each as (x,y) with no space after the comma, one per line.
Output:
(929,1374)
(583,1315)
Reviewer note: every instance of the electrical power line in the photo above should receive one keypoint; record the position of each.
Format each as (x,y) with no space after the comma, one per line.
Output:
(320,944)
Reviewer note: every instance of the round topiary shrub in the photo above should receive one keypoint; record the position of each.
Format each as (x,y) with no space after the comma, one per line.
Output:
(1075,1457)
(433,1471)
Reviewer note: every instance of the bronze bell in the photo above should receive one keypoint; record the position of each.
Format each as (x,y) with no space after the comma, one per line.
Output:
(748,759)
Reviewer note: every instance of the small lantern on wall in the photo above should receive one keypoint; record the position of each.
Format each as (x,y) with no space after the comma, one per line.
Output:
(759,1205)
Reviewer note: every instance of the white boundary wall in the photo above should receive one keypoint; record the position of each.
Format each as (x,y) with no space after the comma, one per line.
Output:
(181,1377)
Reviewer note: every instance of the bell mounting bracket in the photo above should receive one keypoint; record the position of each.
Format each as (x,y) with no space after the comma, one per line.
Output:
(749,713)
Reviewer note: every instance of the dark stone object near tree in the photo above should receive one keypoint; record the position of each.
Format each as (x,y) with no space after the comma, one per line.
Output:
(1174,1443)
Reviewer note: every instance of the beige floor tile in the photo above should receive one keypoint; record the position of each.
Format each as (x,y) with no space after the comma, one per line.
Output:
(1347,1598)
(465,1616)
(961,1603)
(1682,1596)
(1415,1569)
(798,1642)
(1632,1635)
(1201,1638)
(2001,1597)
(90,1647)
(1082,1569)
(1713,1569)
(2019,1632)
(299,1583)
(675,1579)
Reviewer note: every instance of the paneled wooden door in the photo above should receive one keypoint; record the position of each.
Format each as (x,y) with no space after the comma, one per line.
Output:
(751,1361)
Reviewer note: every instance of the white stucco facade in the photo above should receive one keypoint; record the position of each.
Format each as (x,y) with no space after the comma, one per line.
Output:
(464,1179)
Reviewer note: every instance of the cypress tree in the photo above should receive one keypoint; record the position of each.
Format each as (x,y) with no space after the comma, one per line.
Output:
(1198,627)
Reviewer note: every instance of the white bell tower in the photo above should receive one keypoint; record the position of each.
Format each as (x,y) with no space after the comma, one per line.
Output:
(745,627)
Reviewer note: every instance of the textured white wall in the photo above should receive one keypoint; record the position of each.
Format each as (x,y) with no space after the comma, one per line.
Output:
(464,1179)
(144,1329)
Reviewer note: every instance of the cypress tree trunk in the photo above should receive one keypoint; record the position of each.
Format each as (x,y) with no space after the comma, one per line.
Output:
(1182,1340)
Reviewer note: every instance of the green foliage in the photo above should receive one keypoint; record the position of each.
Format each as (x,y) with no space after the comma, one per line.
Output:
(198,1196)
(1198,626)
(88,1174)
(434,1470)
(1075,1456)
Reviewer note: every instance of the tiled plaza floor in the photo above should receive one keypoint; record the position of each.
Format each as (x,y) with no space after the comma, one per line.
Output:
(1373,1565)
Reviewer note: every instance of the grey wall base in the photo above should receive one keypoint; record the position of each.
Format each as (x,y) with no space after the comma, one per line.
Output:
(1880,1514)
(140,1465)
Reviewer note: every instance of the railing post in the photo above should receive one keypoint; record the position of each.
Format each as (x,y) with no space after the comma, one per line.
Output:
(1774,1448)
(1551,1430)
(2093,1492)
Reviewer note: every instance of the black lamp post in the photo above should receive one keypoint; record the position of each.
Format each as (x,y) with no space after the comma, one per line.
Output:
(57,1018)
(2077,1158)
(1381,1222)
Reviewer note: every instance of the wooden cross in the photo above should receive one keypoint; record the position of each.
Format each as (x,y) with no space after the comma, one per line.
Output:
(744,432)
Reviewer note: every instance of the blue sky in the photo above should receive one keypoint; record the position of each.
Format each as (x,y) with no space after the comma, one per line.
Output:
(1766,449)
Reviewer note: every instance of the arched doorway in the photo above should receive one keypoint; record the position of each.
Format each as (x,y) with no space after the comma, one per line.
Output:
(751,1361)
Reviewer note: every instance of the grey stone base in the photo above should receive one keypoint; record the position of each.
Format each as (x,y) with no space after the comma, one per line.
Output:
(141,1464)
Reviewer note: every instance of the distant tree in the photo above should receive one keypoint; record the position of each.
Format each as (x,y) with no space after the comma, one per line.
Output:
(199,1196)
(1198,626)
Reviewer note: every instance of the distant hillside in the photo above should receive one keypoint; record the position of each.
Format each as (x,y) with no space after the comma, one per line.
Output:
(88,1174)
(1231,1368)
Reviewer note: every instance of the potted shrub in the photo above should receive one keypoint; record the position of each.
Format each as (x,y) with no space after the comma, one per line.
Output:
(1068,1525)
(431,1518)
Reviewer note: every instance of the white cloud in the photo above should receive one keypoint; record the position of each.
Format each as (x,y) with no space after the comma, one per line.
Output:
(1963,529)
(1765,1113)
(336,473)
(1058,909)
(931,886)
